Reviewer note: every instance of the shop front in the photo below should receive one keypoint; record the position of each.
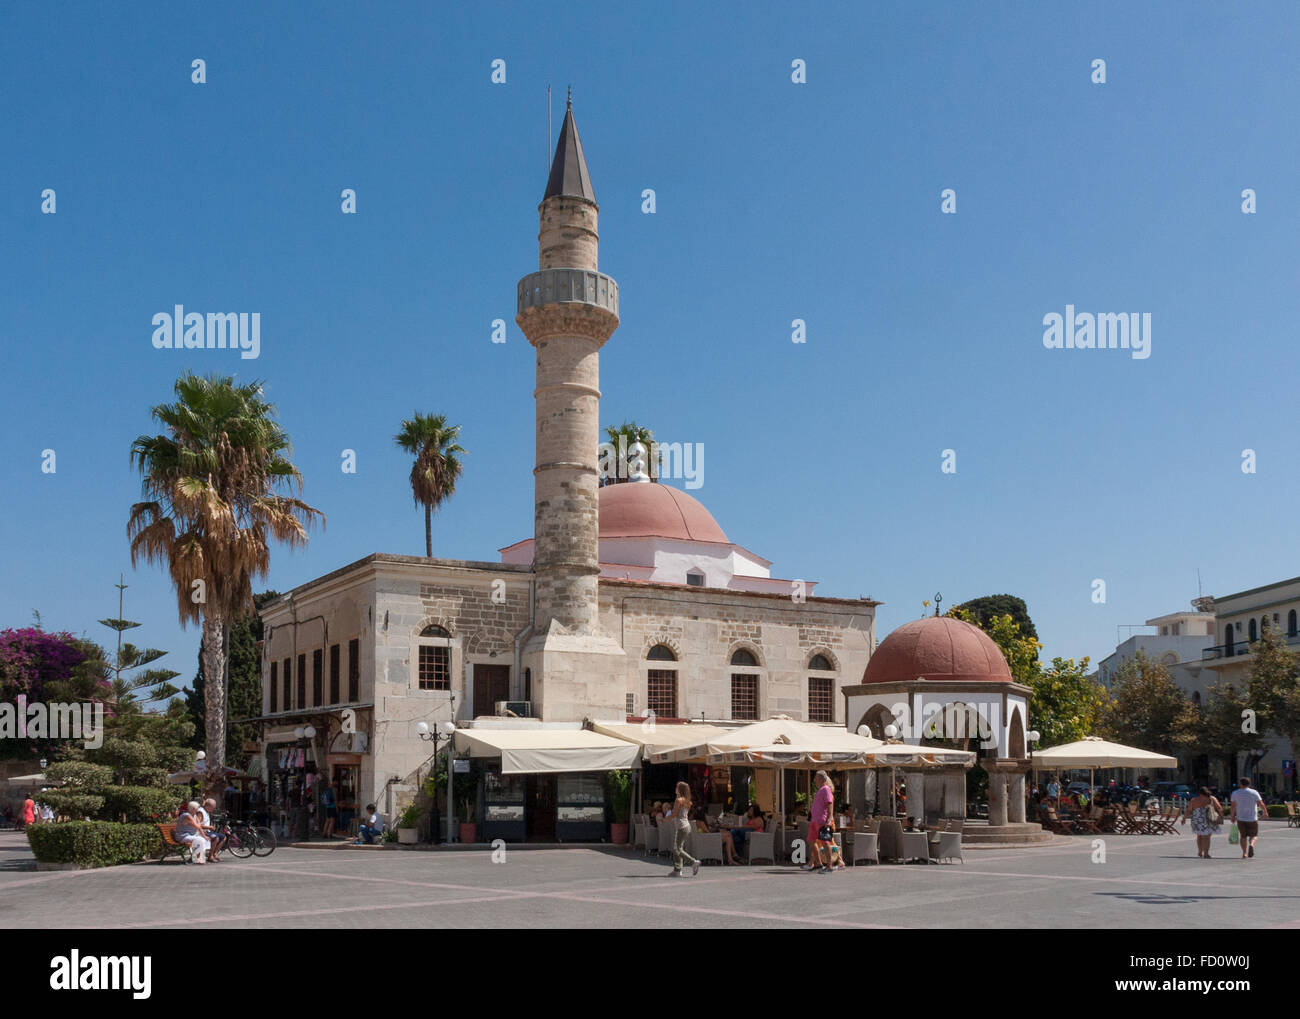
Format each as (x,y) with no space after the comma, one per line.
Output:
(543,784)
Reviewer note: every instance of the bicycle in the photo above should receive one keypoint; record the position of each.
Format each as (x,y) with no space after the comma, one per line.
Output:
(245,840)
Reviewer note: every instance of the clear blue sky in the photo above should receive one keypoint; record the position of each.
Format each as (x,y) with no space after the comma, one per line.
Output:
(776,201)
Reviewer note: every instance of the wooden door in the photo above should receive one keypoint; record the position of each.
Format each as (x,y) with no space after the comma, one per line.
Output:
(491,684)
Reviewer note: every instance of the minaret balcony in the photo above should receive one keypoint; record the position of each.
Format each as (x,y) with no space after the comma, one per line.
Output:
(568,286)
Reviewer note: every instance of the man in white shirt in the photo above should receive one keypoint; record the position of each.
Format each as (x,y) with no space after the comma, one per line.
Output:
(1246,803)
(218,841)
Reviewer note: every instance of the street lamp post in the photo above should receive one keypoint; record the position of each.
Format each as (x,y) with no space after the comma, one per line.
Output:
(439,732)
(305,735)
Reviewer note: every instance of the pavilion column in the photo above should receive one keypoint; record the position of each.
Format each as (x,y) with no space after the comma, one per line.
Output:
(1016,798)
(997,798)
(915,794)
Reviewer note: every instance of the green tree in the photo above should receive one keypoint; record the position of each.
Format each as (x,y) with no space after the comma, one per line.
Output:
(1274,687)
(215,489)
(244,675)
(1148,710)
(623,437)
(1064,704)
(437,465)
(150,686)
(1224,730)
(991,606)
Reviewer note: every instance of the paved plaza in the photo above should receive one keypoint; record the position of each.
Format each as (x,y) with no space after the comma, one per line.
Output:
(1145,882)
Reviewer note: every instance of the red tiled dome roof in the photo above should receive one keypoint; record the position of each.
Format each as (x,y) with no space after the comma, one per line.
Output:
(937,648)
(644,509)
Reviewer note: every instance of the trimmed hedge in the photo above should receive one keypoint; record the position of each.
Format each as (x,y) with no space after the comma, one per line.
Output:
(73,802)
(93,843)
(139,804)
(1277,810)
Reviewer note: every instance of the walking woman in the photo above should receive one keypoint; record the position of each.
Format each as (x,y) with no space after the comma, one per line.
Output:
(1207,815)
(681,817)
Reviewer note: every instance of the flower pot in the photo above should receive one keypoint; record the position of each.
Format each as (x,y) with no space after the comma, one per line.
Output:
(618,833)
(408,836)
(468,831)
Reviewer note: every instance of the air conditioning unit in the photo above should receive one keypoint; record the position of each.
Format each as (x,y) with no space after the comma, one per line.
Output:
(516,709)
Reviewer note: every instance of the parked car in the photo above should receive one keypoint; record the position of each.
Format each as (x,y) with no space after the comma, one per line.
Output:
(1173,790)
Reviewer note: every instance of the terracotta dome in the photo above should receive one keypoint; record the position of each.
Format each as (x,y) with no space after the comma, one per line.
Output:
(644,509)
(937,648)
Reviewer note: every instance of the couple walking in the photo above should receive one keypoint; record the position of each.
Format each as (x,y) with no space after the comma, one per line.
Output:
(1206,814)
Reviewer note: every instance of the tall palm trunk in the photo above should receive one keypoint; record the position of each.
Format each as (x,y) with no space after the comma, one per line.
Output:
(428,531)
(214,701)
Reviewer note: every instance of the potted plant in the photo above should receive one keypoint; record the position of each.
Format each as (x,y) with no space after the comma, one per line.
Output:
(620,802)
(408,825)
(465,789)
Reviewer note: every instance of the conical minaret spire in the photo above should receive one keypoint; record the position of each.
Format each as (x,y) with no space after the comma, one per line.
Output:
(569,174)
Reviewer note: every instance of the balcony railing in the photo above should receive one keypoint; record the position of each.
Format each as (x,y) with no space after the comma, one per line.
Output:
(574,286)
(1238,648)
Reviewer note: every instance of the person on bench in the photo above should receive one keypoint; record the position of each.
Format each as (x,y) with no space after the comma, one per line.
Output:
(190,831)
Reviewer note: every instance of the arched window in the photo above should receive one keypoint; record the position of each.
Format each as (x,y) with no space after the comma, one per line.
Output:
(433,659)
(1253,632)
(1227,641)
(821,691)
(744,686)
(661,684)
(821,662)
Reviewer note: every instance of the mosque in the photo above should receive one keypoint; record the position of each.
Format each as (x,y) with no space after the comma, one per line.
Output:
(629,606)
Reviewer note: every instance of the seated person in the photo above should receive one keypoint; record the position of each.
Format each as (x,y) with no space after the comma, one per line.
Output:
(372,828)
(209,831)
(753,821)
(703,826)
(189,831)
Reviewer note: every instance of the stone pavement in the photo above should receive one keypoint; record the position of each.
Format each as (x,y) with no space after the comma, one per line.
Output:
(1145,882)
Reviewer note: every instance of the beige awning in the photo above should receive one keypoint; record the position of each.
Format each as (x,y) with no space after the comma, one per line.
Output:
(549,750)
(32,780)
(1095,752)
(660,736)
(772,735)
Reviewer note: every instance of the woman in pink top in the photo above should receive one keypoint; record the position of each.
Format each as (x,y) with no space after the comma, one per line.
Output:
(823,805)
(29,812)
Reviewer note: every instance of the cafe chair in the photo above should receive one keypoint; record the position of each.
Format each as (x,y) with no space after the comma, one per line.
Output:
(865,846)
(950,846)
(706,846)
(760,845)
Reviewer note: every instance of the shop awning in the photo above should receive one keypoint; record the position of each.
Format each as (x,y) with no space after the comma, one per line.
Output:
(660,736)
(549,750)
(771,735)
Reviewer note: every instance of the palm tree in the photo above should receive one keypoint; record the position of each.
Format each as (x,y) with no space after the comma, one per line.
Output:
(213,500)
(437,464)
(630,433)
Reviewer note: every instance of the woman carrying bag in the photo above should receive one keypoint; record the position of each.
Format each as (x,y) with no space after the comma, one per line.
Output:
(1206,814)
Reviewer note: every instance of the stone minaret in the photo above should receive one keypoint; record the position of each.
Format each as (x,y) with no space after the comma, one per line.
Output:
(568,309)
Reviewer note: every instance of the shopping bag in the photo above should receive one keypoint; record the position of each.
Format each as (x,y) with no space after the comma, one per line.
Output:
(1234,837)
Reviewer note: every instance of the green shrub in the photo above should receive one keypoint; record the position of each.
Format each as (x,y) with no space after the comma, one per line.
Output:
(411,816)
(79,773)
(1277,810)
(73,803)
(138,804)
(93,843)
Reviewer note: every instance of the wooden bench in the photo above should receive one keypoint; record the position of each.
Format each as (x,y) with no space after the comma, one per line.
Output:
(170,845)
